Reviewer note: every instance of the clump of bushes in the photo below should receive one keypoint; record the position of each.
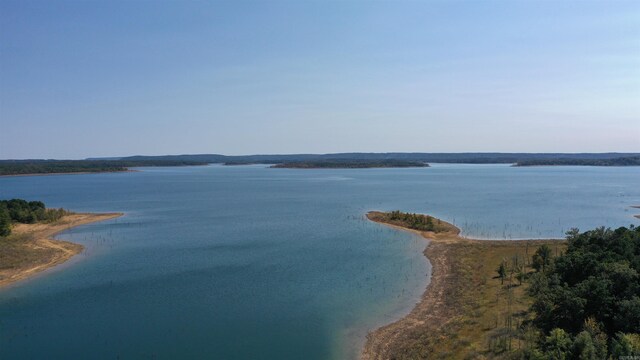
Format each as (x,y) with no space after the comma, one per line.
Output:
(26,212)
(413,221)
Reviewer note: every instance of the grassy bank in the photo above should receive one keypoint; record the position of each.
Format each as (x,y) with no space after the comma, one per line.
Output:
(488,311)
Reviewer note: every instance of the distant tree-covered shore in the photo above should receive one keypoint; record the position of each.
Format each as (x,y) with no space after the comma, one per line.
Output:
(466,158)
(27,167)
(350,164)
(309,161)
(624,161)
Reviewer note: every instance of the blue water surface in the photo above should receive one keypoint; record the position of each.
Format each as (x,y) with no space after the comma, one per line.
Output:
(247,262)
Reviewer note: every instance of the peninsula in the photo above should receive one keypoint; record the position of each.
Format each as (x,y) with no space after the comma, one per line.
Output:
(518,299)
(27,247)
(465,307)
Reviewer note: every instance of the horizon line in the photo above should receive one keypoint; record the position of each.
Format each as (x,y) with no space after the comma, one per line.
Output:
(324,154)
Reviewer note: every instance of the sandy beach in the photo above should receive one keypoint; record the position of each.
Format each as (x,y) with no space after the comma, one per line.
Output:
(455,316)
(31,249)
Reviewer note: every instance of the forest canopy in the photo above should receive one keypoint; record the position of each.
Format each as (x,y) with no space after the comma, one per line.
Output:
(587,301)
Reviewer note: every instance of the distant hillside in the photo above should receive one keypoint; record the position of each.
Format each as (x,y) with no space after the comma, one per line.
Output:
(350,164)
(206,158)
(231,159)
(623,161)
(469,158)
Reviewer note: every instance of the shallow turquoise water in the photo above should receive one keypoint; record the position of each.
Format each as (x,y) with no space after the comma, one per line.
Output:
(253,263)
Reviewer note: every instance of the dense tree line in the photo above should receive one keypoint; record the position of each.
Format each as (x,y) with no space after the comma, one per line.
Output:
(21,167)
(471,158)
(350,164)
(26,212)
(587,300)
(622,161)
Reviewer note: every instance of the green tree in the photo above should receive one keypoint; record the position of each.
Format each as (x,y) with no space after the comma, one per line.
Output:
(5,221)
(542,258)
(591,343)
(557,345)
(429,224)
(625,345)
(502,271)
(521,275)
(595,341)
(584,348)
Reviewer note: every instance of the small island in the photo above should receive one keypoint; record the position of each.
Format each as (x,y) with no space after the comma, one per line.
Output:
(501,299)
(350,164)
(27,229)
(413,221)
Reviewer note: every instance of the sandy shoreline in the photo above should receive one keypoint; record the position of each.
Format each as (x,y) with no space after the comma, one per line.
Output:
(430,310)
(35,243)
(442,301)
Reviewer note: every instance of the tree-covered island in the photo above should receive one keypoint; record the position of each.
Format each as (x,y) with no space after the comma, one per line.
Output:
(350,164)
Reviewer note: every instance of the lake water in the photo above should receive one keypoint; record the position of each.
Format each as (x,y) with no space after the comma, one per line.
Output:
(247,262)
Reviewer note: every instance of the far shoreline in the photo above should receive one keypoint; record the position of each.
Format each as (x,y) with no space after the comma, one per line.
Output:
(70,173)
(40,237)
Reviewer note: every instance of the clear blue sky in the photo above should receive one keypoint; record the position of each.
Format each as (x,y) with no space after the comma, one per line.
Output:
(90,78)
